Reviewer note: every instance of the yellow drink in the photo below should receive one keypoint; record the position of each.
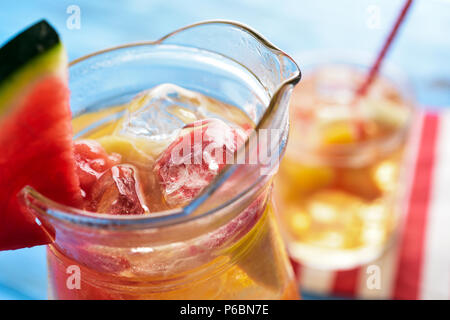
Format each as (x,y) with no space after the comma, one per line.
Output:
(339,183)
(242,257)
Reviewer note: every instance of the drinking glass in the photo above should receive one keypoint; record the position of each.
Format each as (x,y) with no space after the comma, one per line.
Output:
(340,198)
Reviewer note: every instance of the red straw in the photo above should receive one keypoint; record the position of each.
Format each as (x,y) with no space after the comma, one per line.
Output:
(376,66)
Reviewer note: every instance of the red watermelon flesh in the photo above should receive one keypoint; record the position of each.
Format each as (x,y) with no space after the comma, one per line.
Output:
(191,162)
(91,161)
(118,192)
(36,150)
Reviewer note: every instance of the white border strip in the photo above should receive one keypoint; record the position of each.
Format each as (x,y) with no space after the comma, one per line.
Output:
(436,268)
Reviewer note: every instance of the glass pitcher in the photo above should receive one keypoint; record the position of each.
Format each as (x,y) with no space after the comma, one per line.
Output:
(231,247)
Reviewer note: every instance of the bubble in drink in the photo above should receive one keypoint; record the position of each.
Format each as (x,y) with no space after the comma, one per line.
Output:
(195,158)
(118,191)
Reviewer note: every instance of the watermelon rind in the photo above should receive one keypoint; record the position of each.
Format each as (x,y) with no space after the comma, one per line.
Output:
(36,51)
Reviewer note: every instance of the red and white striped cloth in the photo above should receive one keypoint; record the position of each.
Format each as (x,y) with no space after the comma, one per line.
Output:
(417,266)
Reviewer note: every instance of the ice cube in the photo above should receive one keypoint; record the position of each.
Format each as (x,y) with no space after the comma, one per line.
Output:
(159,113)
(387,112)
(92,160)
(118,191)
(194,159)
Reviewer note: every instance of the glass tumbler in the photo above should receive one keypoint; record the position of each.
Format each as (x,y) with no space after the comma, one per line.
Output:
(341,186)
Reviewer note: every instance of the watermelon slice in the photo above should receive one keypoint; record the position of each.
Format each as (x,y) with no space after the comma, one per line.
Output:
(35,132)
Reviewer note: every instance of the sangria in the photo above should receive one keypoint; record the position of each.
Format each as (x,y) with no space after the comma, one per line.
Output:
(340,184)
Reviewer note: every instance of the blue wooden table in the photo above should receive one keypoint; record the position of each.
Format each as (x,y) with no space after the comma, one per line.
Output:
(296,26)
